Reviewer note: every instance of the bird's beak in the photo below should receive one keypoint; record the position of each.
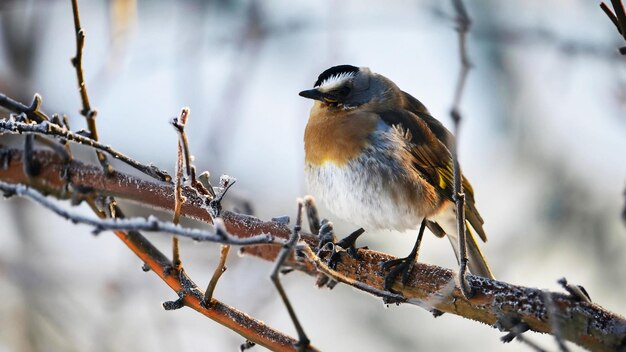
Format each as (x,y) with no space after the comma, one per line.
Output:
(312,94)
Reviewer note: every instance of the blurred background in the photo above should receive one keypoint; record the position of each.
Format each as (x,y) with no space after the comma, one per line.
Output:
(542,141)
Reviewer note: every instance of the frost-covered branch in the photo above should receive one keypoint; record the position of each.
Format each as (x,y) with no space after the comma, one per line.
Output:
(218,234)
(46,128)
(495,303)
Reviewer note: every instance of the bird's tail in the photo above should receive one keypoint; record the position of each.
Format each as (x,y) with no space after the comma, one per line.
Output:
(446,224)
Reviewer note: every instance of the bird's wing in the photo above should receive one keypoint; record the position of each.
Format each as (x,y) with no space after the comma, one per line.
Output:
(431,143)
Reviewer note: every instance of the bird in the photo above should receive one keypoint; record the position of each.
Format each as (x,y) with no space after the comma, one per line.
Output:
(377,158)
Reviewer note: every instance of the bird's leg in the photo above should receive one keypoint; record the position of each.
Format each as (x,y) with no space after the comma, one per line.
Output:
(403,265)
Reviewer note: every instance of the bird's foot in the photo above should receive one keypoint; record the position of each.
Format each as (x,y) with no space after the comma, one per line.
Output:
(396,267)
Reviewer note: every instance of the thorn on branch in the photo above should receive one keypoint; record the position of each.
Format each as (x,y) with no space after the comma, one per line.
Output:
(246,345)
(35,109)
(173,305)
(204,179)
(226,183)
(576,291)
(31,113)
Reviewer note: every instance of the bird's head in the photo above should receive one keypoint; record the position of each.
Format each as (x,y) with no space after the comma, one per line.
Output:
(347,87)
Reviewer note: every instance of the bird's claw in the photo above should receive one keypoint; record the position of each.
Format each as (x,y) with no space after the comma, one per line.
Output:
(397,266)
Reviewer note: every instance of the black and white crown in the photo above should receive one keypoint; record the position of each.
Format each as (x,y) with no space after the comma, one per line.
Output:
(335,74)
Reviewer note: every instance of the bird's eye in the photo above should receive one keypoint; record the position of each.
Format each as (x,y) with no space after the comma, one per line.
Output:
(330,100)
(343,91)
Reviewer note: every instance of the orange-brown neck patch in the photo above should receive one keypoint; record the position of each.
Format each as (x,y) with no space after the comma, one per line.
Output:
(336,136)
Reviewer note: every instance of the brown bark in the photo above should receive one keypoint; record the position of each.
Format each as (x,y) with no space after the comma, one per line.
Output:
(431,287)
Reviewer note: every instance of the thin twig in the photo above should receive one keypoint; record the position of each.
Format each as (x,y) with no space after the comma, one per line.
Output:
(176,262)
(303,340)
(618,7)
(463,25)
(87,111)
(178,185)
(611,15)
(618,18)
(219,270)
(179,124)
(50,129)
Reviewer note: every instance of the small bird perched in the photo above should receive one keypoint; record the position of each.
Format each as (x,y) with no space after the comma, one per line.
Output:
(377,158)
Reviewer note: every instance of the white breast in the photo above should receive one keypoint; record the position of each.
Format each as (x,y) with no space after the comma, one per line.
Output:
(369,190)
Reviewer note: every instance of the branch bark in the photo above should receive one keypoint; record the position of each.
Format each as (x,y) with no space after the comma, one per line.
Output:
(51,180)
(495,303)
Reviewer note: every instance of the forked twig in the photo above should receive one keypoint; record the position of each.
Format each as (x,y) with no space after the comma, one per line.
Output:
(33,112)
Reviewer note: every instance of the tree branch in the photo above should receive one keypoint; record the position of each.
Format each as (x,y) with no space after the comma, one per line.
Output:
(87,111)
(46,128)
(430,287)
(618,18)
(176,278)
